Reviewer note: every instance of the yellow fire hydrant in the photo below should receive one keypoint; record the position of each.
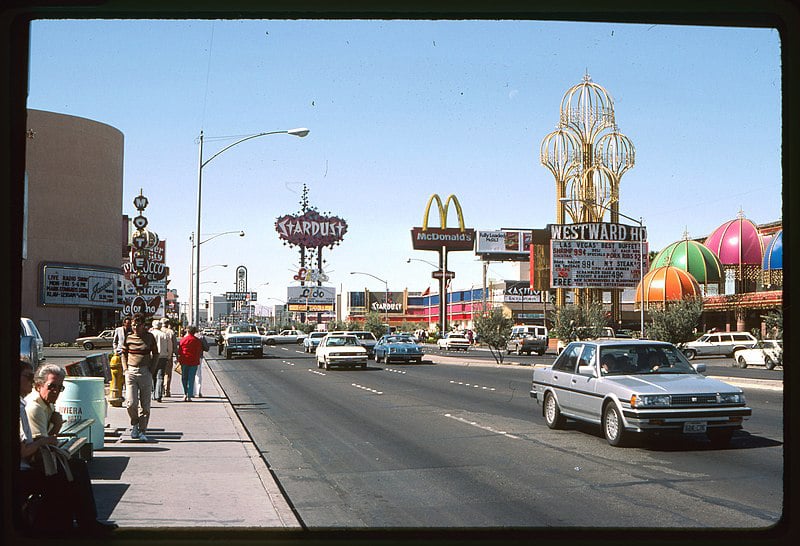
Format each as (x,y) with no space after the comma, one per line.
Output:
(117,381)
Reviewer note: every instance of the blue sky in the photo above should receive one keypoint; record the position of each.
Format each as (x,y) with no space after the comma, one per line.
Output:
(399,110)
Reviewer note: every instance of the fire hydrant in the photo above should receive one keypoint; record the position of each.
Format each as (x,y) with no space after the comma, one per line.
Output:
(117,381)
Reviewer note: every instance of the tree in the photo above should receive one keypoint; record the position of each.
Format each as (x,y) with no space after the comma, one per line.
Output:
(373,322)
(494,329)
(571,322)
(677,322)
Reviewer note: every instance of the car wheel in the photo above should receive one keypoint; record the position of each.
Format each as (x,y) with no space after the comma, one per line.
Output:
(259,354)
(552,413)
(769,363)
(88,345)
(519,351)
(540,353)
(613,429)
(364,366)
(742,362)
(719,437)
(690,353)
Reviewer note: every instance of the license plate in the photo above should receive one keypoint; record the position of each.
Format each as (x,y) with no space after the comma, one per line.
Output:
(694,427)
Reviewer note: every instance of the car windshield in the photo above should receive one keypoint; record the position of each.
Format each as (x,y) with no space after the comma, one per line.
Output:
(319,334)
(399,339)
(643,359)
(341,341)
(364,335)
(243,328)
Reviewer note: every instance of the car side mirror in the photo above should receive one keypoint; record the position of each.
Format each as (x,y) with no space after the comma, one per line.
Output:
(28,350)
(587,370)
(700,367)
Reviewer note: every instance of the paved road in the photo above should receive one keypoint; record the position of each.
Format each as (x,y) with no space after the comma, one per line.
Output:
(449,445)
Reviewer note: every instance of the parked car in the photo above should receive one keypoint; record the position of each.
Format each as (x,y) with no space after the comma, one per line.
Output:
(719,344)
(365,338)
(527,340)
(768,353)
(101,340)
(31,344)
(341,350)
(242,339)
(636,386)
(453,341)
(311,342)
(402,347)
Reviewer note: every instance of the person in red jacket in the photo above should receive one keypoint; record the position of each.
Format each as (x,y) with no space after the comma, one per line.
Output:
(190,350)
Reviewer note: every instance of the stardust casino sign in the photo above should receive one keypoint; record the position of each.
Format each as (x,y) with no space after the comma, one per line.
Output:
(597,255)
(311,229)
(429,238)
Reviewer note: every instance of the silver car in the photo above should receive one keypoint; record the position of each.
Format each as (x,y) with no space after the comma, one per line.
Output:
(636,386)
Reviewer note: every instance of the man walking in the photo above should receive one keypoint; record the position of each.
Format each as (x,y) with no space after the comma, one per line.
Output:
(139,356)
(162,342)
(172,349)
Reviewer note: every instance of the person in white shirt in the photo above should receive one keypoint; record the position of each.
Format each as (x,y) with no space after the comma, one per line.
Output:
(172,349)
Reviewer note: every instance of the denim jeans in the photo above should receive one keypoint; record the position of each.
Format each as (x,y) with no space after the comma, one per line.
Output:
(163,367)
(187,379)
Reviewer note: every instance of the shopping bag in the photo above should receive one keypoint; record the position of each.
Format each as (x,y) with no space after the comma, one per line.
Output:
(178,368)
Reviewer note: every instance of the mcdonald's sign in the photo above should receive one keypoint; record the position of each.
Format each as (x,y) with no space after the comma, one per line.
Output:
(427,238)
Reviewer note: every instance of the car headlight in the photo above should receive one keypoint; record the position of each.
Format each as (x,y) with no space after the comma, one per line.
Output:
(650,401)
(731,398)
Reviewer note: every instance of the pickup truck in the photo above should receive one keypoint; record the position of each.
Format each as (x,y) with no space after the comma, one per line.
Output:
(286,336)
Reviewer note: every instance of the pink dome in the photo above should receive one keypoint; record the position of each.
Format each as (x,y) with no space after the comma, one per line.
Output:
(737,242)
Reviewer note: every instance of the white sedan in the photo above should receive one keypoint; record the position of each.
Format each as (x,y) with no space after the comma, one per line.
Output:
(768,352)
(453,341)
(341,350)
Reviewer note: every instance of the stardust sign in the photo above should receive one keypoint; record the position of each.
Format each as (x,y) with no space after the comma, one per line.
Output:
(311,229)
(597,255)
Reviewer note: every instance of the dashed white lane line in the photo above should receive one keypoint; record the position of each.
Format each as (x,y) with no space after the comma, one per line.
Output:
(317,372)
(395,371)
(287,362)
(362,387)
(471,385)
(482,427)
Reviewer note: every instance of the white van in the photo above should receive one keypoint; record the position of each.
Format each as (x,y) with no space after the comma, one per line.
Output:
(527,339)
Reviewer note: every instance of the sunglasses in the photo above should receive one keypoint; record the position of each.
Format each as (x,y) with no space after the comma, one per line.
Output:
(55,387)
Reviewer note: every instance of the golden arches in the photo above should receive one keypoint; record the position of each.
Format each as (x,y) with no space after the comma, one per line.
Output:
(443,208)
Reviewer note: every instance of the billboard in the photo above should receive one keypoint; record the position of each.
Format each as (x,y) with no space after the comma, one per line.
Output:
(378,302)
(79,285)
(312,295)
(597,255)
(504,244)
(429,238)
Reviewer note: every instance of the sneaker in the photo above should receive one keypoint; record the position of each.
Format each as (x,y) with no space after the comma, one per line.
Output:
(135,434)
(143,438)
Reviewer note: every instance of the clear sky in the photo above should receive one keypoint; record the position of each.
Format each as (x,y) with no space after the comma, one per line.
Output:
(399,110)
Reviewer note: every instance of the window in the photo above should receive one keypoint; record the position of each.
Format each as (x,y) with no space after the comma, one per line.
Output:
(568,359)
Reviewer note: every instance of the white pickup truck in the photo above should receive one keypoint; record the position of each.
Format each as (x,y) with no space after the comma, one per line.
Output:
(286,336)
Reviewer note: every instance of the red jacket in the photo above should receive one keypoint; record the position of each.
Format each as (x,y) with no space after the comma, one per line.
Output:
(190,349)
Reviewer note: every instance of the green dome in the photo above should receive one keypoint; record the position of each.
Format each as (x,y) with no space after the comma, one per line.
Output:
(694,258)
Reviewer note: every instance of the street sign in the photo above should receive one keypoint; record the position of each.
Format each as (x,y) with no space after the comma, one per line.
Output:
(439,274)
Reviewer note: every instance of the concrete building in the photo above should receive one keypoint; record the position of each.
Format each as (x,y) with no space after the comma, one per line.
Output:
(75,233)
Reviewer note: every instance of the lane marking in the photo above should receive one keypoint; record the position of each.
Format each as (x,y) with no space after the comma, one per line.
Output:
(362,387)
(395,371)
(471,385)
(316,371)
(482,427)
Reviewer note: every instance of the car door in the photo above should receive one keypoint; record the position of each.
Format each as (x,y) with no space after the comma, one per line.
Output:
(584,384)
(563,377)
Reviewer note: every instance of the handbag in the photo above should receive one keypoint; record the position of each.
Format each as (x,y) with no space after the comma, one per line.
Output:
(178,368)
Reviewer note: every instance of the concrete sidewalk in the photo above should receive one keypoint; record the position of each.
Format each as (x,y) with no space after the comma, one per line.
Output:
(200,469)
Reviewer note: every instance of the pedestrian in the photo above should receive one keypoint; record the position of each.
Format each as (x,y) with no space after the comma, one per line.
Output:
(198,377)
(53,498)
(163,363)
(220,342)
(139,357)
(470,337)
(190,351)
(120,333)
(172,343)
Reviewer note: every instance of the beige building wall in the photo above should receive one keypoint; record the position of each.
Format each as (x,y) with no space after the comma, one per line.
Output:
(74,175)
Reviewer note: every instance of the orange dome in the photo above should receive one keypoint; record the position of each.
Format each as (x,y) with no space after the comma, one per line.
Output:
(666,284)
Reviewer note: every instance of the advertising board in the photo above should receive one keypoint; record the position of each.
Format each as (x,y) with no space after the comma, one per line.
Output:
(79,285)
(312,295)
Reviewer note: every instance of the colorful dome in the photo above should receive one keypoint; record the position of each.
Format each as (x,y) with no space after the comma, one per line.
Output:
(773,255)
(736,242)
(667,284)
(692,257)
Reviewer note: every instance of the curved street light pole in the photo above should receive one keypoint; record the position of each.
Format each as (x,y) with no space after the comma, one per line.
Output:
(192,299)
(386,301)
(301,132)
(642,237)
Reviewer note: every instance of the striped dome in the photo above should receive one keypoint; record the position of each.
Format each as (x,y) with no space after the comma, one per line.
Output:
(667,284)
(736,242)
(692,257)
(773,255)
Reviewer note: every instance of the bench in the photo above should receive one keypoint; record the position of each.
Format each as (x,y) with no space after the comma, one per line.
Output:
(74,445)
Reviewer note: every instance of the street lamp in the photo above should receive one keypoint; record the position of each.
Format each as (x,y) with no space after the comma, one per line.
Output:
(386,302)
(215,265)
(435,267)
(192,265)
(301,132)
(641,249)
